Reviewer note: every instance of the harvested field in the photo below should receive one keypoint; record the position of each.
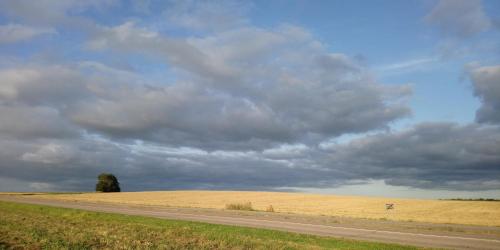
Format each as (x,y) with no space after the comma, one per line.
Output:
(24,226)
(434,211)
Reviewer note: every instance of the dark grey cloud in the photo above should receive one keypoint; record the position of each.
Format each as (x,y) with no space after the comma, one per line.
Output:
(429,156)
(58,164)
(486,83)
(24,122)
(461,18)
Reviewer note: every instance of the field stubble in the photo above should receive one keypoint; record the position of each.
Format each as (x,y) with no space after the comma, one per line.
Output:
(24,226)
(418,210)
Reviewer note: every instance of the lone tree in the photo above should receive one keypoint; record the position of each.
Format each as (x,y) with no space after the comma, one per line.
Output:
(107,183)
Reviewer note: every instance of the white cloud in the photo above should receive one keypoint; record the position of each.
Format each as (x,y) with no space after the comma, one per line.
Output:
(12,33)
(486,83)
(50,154)
(49,12)
(41,186)
(463,18)
(247,86)
(207,15)
(407,65)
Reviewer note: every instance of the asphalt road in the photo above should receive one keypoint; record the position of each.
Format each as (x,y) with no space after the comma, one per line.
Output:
(406,238)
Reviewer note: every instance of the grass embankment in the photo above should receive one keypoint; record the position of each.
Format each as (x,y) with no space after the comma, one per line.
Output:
(419,210)
(41,227)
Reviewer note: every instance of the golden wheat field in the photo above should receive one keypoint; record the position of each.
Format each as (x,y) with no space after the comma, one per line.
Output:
(434,211)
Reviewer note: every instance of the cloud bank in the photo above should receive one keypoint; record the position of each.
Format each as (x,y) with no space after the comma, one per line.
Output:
(239,107)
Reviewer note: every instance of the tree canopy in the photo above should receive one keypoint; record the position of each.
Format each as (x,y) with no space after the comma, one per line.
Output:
(107,182)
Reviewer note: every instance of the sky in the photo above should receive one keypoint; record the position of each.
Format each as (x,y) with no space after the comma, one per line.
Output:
(380,98)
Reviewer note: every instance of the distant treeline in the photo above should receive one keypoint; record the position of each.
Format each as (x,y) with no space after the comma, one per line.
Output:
(479,199)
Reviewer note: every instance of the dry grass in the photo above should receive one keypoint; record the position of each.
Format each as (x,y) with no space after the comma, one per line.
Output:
(435,211)
(270,208)
(247,206)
